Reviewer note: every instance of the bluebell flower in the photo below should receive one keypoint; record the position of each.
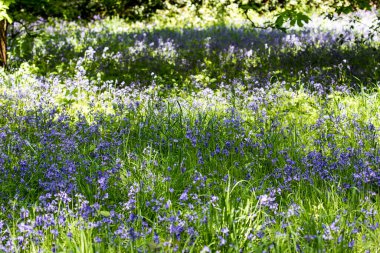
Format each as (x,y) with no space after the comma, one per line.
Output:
(222,241)
(205,249)
(225,231)
(184,195)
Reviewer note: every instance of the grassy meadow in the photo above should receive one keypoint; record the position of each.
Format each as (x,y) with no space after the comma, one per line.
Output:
(189,135)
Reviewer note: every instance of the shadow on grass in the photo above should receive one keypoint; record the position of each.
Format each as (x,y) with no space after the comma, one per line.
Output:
(209,56)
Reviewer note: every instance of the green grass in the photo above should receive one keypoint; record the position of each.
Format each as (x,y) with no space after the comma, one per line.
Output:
(99,155)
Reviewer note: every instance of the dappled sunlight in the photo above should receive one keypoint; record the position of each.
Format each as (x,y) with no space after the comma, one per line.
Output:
(163,137)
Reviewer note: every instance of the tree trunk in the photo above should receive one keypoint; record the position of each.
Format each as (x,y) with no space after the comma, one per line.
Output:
(3,42)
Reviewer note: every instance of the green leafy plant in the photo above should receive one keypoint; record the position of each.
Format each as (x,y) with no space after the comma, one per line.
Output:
(4,6)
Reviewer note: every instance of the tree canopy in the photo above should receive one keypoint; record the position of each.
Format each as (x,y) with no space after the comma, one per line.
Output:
(287,10)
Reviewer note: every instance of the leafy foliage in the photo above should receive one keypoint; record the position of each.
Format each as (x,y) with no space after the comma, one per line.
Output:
(290,11)
(4,6)
(84,9)
(294,17)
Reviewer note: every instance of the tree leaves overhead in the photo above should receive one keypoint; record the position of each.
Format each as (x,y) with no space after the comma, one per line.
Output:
(294,17)
(4,6)
(83,9)
(250,6)
(288,11)
(353,6)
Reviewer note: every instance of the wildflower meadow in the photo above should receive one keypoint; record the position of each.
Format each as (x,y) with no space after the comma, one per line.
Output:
(182,133)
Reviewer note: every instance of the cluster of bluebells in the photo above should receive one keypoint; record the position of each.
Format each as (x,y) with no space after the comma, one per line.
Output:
(155,172)
(324,52)
(217,169)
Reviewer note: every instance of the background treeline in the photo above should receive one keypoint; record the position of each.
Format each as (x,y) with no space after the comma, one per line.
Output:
(139,9)
(26,12)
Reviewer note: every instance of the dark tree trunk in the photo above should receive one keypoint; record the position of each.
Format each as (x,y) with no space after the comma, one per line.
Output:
(3,42)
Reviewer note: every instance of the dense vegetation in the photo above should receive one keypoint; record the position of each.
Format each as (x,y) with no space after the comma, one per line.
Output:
(188,133)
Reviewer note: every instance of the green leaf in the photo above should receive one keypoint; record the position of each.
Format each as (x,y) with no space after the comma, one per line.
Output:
(279,21)
(4,6)
(364,4)
(252,6)
(245,7)
(6,16)
(293,22)
(344,9)
(104,213)
(302,18)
